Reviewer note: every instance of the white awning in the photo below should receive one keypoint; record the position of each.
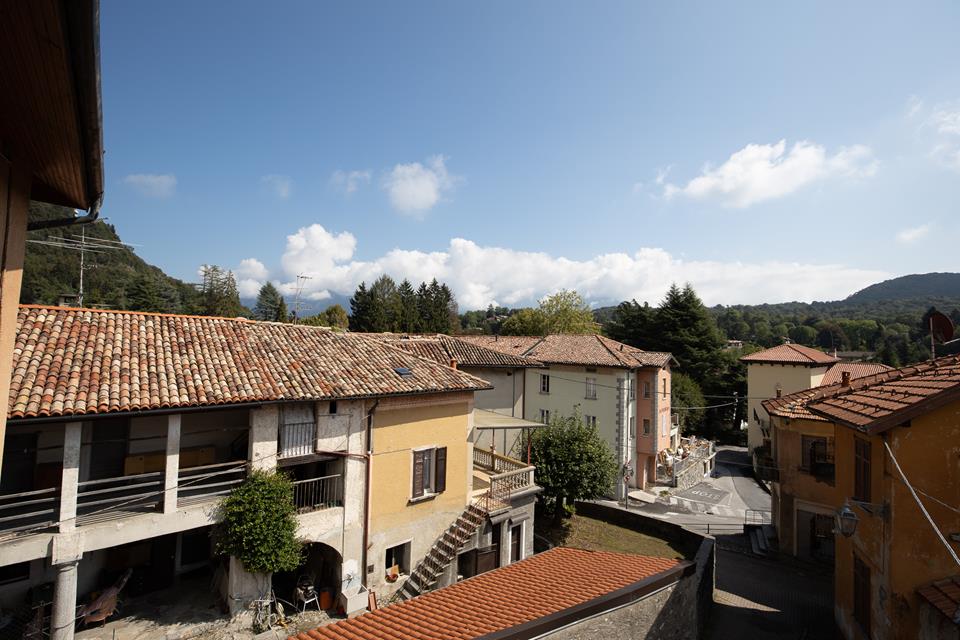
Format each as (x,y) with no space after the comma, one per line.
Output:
(486,419)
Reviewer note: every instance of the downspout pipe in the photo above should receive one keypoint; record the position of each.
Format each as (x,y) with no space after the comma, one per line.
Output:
(366,494)
(92,216)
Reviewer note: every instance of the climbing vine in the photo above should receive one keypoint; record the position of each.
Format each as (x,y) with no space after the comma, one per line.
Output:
(259,524)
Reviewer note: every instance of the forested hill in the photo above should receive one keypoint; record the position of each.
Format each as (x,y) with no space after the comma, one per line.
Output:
(919,285)
(114,279)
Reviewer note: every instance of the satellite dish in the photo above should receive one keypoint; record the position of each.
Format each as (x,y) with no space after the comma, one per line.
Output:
(941,327)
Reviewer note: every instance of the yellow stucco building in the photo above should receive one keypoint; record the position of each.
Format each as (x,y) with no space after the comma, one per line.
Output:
(896,470)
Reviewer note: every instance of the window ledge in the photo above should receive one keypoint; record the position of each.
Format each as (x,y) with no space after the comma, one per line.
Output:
(423,498)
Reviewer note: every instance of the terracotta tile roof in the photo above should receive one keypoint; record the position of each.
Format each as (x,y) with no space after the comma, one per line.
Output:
(791,353)
(504,598)
(442,348)
(793,406)
(584,350)
(855,369)
(945,596)
(882,400)
(70,361)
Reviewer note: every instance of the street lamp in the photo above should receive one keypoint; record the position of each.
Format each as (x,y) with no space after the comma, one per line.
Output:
(846,520)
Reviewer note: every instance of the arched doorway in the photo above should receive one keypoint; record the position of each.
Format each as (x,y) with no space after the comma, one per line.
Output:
(321,567)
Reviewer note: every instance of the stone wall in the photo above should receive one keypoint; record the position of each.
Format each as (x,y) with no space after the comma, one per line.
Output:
(667,613)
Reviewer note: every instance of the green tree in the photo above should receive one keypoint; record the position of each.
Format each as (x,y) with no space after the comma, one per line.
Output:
(259,524)
(685,398)
(145,294)
(270,304)
(408,314)
(685,328)
(573,462)
(525,322)
(566,312)
(361,310)
(384,304)
(632,323)
(336,317)
(218,293)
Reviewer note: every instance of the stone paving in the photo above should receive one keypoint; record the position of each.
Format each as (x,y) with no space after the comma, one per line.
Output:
(763,599)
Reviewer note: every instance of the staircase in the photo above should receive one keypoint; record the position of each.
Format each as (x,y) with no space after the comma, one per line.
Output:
(443,552)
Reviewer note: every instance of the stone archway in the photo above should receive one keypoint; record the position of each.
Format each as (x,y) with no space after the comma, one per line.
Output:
(322,566)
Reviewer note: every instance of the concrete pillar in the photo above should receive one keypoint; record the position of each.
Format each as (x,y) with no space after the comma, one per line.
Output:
(172,469)
(71,476)
(244,587)
(264,432)
(63,616)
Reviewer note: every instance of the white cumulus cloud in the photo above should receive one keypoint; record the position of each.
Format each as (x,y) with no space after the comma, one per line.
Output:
(153,185)
(416,188)
(481,275)
(280,186)
(913,234)
(349,181)
(251,274)
(760,172)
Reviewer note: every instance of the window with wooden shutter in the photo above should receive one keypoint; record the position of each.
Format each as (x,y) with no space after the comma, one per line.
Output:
(418,473)
(440,484)
(861,470)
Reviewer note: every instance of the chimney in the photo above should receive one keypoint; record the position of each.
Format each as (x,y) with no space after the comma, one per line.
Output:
(453,363)
(779,392)
(844,378)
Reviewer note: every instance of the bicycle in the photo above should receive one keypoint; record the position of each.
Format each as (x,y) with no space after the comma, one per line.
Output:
(268,613)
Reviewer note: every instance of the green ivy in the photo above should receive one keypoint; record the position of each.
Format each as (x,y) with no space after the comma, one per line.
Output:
(259,524)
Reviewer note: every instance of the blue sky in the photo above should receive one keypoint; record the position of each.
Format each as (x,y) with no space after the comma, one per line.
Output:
(763,152)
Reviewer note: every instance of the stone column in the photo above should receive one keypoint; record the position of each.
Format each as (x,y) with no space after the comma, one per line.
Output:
(172,469)
(264,431)
(63,616)
(71,476)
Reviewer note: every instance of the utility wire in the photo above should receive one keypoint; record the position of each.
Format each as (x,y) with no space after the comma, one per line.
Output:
(953,554)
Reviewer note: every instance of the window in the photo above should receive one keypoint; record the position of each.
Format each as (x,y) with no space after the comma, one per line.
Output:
(516,543)
(590,421)
(664,426)
(429,472)
(646,426)
(816,456)
(544,383)
(861,594)
(545,416)
(646,389)
(664,387)
(397,560)
(861,470)
(591,389)
(633,426)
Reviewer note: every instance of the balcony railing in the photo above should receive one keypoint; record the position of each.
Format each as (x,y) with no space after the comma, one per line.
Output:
(29,510)
(507,477)
(494,462)
(197,484)
(315,494)
(137,493)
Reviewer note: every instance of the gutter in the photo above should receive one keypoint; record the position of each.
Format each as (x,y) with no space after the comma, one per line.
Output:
(366,495)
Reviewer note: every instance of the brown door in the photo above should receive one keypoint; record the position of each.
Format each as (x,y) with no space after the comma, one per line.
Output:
(488,558)
(516,543)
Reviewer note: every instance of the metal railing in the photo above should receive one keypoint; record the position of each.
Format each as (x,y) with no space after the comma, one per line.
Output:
(757,517)
(297,439)
(29,509)
(139,493)
(315,494)
(196,484)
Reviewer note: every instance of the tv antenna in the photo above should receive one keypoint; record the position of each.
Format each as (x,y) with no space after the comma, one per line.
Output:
(301,281)
(83,246)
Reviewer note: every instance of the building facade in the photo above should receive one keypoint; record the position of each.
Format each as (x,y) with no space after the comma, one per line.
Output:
(126,430)
(623,391)
(897,481)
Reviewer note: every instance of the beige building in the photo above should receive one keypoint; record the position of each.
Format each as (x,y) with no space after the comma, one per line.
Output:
(623,391)
(126,429)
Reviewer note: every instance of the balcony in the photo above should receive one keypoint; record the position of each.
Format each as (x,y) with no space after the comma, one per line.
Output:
(497,479)
(316,494)
(209,482)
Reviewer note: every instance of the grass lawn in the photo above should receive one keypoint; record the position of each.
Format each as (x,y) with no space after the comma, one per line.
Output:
(596,535)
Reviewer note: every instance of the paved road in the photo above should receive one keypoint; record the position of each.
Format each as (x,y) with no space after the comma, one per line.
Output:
(733,469)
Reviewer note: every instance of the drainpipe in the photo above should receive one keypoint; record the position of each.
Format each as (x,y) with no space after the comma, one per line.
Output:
(36,225)
(366,495)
